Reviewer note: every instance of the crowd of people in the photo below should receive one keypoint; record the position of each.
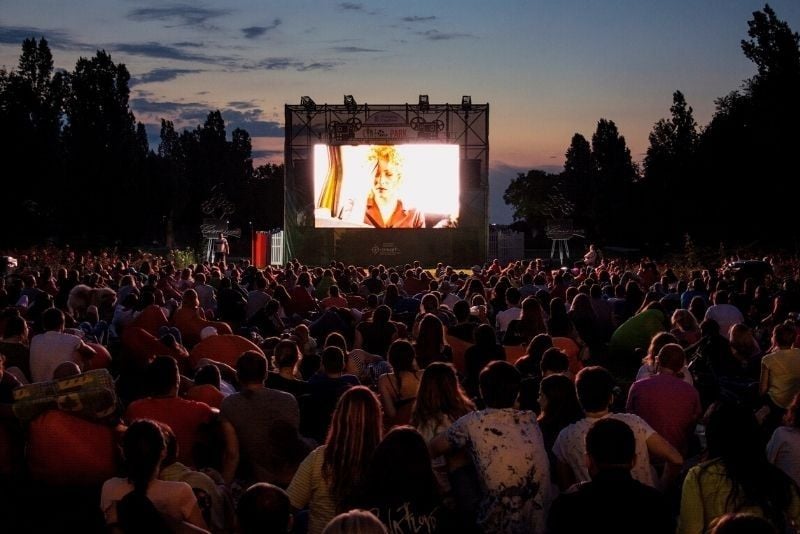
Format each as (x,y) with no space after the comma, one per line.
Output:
(610,395)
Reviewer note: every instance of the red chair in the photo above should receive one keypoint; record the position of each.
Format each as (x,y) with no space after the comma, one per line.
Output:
(459,347)
(514,352)
(225,349)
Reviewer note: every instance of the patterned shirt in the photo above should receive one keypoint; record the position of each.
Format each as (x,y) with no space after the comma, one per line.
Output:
(507,449)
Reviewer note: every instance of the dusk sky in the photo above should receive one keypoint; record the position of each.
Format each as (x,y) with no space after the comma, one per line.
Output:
(547,69)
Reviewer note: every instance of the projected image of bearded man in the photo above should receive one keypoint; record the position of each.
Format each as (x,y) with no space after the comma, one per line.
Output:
(385,209)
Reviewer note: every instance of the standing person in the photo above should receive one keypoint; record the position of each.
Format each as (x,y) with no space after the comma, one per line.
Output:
(592,258)
(221,248)
(515,486)
(385,209)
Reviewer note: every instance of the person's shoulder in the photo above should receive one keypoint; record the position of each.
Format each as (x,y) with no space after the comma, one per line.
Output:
(786,433)
(282,396)
(630,419)
(573,431)
(769,358)
(113,485)
(170,486)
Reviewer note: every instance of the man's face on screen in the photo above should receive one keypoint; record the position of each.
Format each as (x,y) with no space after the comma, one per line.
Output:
(386,180)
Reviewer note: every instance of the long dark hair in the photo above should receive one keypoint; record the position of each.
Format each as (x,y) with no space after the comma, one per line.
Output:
(142,446)
(734,440)
(562,407)
(430,340)
(400,471)
(439,395)
(401,358)
(559,324)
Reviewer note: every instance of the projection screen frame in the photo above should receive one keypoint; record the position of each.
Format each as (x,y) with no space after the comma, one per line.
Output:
(391,124)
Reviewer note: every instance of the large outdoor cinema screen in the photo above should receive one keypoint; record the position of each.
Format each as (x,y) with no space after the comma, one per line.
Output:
(386,186)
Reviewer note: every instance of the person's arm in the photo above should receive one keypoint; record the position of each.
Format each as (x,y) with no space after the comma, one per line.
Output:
(358,342)
(415,326)
(763,384)
(387,396)
(661,449)
(230,456)
(300,489)
(773,447)
(85,351)
(565,477)
(630,404)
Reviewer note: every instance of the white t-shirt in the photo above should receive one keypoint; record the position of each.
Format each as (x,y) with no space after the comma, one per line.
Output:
(506,316)
(48,351)
(570,447)
(783,450)
(726,315)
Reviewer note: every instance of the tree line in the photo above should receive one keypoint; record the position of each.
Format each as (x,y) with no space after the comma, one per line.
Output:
(77,166)
(732,181)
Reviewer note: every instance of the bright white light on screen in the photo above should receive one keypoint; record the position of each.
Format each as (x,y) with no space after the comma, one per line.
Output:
(430,176)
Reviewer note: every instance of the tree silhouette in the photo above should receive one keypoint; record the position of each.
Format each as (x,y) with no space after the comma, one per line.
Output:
(30,118)
(104,156)
(669,168)
(748,150)
(579,174)
(616,173)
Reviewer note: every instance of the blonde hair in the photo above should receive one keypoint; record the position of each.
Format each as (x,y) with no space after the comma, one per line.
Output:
(355,522)
(384,152)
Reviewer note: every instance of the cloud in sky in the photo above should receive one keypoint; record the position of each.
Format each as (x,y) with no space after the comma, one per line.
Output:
(417,18)
(190,115)
(17,34)
(252,32)
(351,6)
(436,35)
(157,50)
(354,49)
(182,14)
(161,75)
(285,63)
(267,154)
